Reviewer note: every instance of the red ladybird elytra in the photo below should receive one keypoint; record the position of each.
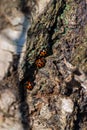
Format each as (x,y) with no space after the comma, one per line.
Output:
(43,53)
(40,62)
(29,85)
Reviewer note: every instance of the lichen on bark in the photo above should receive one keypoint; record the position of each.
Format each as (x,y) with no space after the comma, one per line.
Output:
(39,33)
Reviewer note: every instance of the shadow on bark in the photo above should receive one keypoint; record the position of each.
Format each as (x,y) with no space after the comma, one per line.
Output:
(23,107)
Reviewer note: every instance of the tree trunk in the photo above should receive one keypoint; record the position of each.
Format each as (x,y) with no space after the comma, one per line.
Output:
(50,82)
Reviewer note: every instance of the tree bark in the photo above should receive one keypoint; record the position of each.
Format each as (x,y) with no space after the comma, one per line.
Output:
(57,99)
(62,83)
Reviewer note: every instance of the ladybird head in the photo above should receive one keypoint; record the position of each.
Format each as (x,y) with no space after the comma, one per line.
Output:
(43,53)
(28,85)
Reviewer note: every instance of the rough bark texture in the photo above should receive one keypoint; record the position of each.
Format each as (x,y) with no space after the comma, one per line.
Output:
(58,100)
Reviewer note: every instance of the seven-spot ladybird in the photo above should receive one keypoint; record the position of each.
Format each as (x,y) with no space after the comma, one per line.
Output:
(43,53)
(40,62)
(29,85)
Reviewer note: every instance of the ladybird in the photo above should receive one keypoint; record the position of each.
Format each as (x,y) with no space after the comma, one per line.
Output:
(43,53)
(29,85)
(40,62)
